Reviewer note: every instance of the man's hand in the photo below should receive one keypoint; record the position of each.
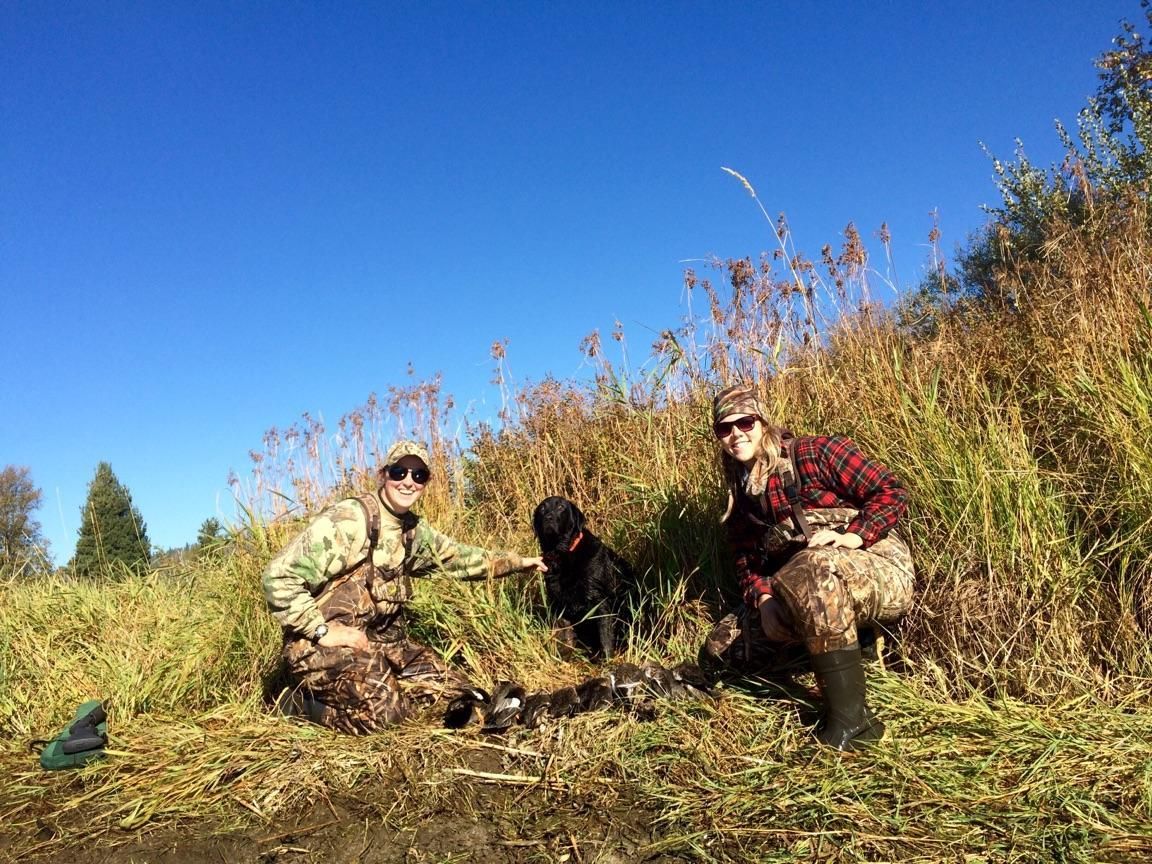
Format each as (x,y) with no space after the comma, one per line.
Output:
(343,636)
(828,537)
(536,564)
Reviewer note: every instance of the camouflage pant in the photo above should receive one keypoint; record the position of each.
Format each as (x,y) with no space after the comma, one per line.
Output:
(823,593)
(361,688)
(826,591)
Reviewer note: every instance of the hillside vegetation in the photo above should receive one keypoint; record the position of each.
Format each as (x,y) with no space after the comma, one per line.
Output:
(1013,395)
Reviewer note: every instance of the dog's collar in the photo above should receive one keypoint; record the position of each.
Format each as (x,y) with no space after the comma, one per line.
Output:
(555,555)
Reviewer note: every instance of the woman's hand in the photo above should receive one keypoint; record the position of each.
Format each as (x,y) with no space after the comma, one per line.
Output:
(772,619)
(343,636)
(536,564)
(828,537)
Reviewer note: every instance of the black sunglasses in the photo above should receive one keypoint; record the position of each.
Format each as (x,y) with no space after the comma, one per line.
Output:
(397,473)
(744,424)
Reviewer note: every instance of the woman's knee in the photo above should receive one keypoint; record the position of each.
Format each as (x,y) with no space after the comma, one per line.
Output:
(819,604)
(807,573)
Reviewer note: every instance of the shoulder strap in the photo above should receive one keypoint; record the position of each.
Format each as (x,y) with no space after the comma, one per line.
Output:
(372,516)
(408,523)
(408,531)
(790,479)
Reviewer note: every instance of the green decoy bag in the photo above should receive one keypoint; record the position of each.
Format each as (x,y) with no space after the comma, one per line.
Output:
(80,741)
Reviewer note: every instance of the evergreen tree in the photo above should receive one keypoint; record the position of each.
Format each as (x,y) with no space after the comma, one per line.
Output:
(112,532)
(209,533)
(23,550)
(211,537)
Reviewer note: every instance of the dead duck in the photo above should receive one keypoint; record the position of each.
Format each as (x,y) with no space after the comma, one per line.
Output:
(595,693)
(661,683)
(467,708)
(504,708)
(694,679)
(536,708)
(563,702)
(627,680)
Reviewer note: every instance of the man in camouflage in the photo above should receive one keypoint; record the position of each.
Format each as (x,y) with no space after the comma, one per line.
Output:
(810,522)
(339,590)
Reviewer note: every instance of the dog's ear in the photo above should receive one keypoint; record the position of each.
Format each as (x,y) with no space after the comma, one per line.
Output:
(575,518)
(538,520)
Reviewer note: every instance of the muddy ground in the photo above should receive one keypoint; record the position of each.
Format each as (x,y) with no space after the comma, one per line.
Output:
(351,832)
(487,823)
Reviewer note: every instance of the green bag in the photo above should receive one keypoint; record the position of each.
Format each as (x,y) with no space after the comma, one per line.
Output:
(81,741)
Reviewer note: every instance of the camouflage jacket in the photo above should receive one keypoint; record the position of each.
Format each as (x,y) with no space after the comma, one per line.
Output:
(336,542)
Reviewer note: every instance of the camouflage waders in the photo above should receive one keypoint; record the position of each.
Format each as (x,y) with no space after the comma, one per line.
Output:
(361,688)
(825,592)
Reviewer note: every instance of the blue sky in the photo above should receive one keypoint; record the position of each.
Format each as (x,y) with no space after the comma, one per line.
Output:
(217,216)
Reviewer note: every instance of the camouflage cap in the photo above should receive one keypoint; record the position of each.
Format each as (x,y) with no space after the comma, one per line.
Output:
(406,448)
(737,399)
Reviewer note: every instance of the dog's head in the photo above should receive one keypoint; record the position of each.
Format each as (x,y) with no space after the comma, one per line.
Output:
(558,524)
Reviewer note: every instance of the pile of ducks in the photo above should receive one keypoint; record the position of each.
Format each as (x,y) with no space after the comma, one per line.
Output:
(634,688)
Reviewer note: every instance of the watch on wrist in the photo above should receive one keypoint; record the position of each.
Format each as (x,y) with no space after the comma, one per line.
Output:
(319,633)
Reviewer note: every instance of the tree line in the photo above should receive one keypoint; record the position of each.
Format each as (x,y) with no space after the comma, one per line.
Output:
(112,539)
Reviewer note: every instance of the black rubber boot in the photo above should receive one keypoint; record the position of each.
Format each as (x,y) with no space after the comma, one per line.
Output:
(847,723)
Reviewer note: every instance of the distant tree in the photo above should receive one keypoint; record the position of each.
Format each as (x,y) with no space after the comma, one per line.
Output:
(173,558)
(112,531)
(23,550)
(210,531)
(210,537)
(1107,164)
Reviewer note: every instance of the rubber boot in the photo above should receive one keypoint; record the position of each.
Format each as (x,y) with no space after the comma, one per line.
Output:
(847,723)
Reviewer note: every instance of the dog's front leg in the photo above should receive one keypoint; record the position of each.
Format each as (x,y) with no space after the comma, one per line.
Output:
(564,632)
(607,627)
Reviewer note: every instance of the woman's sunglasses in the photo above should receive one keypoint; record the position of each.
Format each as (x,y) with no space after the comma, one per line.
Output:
(399,472)
(744,424)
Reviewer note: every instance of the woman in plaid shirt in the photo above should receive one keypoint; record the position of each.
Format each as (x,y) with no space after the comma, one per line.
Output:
(817,566)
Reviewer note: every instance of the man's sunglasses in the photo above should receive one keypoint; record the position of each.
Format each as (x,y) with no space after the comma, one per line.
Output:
(399,472)
(744,424)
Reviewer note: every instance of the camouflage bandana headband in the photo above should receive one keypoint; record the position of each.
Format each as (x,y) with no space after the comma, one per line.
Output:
(406,448)
(737,399)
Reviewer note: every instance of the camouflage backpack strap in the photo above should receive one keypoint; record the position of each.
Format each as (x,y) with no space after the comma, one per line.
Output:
(790,479)
(408,525)
(372,518)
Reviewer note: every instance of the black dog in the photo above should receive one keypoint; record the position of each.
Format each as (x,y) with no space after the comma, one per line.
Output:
(586,582)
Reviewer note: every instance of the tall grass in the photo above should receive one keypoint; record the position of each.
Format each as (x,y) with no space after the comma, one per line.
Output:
(165,643)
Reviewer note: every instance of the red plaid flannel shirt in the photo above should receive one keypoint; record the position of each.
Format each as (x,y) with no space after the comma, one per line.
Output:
(832,472)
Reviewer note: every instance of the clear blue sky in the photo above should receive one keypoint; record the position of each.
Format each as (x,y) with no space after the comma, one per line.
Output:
(209,211)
